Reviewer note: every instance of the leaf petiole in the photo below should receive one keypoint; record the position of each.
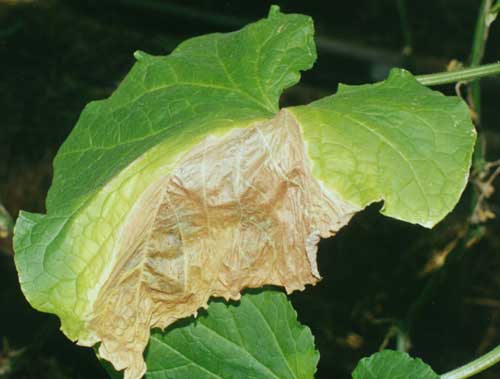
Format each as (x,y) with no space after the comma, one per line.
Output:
(465,75)
(476,366)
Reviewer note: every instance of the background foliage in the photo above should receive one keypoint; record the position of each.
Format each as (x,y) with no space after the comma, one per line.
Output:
(384,282)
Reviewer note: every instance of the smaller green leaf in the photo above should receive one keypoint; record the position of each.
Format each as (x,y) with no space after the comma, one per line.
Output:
(259,337)
(389,364)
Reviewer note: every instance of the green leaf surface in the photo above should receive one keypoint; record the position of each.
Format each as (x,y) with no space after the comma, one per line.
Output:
(390,364)
(258,337)
(206,83)
(395,141)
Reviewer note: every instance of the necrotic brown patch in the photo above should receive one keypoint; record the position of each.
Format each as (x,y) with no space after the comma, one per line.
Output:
(238,211)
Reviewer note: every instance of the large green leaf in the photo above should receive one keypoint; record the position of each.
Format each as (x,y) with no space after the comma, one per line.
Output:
(390,364)
(119,145)
(188,183)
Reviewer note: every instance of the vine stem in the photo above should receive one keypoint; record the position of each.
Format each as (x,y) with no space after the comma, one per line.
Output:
(464,75)
(474,367)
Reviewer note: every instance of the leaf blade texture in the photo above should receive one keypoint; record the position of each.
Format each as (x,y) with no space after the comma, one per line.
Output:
(259,337)
(395,141)
(254,221)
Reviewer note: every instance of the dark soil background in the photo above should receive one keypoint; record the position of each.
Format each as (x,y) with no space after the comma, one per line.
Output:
(384,281)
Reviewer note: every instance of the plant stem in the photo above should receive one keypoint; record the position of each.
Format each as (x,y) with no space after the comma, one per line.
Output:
(408,55)
(464,75)
(477,53)
(453,270)
(474,367)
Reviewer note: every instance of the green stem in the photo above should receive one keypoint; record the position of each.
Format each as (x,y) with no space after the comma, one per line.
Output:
(464,75)
(405,26)
(480,34)
(474,367)
(478,48)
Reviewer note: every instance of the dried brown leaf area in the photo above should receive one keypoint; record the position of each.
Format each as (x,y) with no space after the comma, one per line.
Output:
(239,211)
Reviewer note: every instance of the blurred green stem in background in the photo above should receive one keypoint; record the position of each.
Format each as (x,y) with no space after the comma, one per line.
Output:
(405,27)
(6,223)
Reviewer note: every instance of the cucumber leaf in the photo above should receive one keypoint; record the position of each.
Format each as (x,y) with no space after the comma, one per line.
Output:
(122,145)
(189,183)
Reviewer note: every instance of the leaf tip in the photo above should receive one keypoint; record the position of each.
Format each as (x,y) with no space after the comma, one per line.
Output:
(140,55)
(274,10)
